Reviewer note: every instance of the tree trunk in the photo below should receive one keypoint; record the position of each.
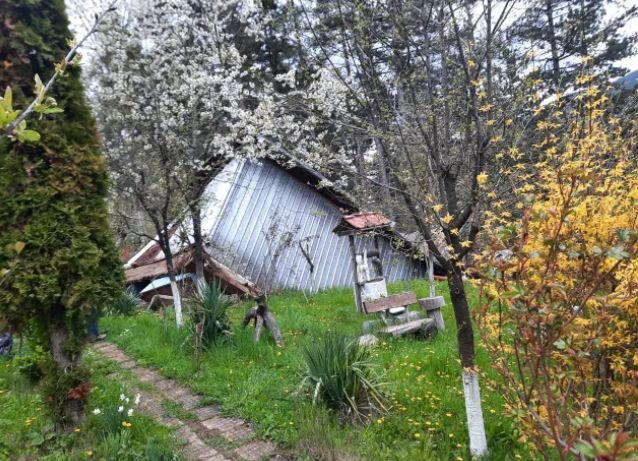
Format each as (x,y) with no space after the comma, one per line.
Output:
(382,165)
(549,11)
(262,316)
(177,299)
(71,400)
(474,413)
(471,389)
(198,250)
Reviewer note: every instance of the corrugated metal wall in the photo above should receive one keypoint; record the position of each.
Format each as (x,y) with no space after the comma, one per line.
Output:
(266,203)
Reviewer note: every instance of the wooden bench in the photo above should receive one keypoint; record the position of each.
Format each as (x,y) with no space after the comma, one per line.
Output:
(394,313)
(393,310)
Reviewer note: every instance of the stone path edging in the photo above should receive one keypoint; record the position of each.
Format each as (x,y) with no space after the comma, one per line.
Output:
(209,436)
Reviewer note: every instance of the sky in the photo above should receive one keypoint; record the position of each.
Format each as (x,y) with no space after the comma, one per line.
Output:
(81,13)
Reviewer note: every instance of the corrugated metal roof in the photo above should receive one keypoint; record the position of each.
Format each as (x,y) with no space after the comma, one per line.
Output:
(366,220)
(259,216)
(266,206)
(361,222)
(164,281)
(156,269)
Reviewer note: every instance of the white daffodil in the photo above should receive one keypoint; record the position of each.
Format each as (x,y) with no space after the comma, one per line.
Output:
(137,399)
(120,409)
(122,396)
(97,411)
(130,412)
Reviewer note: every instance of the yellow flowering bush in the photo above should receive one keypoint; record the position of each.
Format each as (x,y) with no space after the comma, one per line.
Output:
(559,287)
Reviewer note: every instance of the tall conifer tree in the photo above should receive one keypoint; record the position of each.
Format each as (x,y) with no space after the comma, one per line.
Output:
(60,263)
(564,31)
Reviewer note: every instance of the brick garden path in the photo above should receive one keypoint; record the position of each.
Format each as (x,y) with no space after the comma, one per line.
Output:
(209,436)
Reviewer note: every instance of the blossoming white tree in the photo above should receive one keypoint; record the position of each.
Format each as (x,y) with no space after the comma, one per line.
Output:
(170,102)
(176,100)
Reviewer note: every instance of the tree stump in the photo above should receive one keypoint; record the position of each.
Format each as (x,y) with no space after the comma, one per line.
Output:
(262,316)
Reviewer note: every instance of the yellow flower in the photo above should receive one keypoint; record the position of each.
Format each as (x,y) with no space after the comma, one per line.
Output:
(486,107)
(77,429)
(417,435)
(465,244)
(126,424)
(447,219)
(481,178)
(438,207)
(88,453)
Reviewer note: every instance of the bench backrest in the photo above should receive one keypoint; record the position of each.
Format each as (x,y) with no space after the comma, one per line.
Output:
(383,304)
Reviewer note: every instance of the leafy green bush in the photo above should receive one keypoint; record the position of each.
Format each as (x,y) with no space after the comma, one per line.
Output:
(125,304)
(340,374)
(210,308)
(154,451)
(31,365)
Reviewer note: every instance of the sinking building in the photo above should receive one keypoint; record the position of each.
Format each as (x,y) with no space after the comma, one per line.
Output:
(269,226)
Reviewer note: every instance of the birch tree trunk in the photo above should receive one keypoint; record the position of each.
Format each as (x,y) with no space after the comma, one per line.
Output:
(177,299)
(469,375)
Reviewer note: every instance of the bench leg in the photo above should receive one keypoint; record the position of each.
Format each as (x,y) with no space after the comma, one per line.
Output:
(437,316)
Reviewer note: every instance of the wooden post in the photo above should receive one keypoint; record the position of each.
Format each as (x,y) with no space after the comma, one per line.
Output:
(432,306)
(379,255)
(357,288)
(431,276)
(199,332)
(262,316)
(162,314)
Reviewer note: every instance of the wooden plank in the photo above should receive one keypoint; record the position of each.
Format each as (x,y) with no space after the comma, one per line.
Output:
(383,304)
(357,288)
(433,303)
(406,328)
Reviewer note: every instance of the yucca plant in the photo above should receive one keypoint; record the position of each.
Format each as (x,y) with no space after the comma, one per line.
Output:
(209,308)
(340,374)
(125,304)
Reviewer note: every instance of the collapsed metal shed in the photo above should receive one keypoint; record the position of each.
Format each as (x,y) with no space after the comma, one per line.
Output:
(274,226)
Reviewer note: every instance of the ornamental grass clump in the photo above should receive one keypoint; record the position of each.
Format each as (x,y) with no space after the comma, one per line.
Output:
(125,304)
(209,309)
(340,374)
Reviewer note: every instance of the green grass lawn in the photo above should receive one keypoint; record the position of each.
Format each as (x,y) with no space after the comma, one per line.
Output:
(259,382)
(28,433)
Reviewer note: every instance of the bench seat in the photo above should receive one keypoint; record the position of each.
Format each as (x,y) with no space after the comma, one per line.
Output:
(407,328)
